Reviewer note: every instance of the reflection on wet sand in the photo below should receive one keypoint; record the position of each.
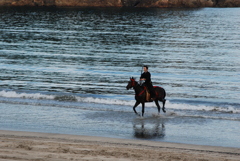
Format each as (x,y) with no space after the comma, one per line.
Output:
(148,128)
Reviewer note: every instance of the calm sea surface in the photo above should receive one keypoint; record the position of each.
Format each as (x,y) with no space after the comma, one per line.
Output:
(64,70)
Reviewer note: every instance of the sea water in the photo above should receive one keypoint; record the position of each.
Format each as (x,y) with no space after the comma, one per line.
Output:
(65,70)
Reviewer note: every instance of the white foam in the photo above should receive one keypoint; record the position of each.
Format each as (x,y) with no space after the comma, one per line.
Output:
(105,101)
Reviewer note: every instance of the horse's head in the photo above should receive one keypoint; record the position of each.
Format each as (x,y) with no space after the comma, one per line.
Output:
(132,83)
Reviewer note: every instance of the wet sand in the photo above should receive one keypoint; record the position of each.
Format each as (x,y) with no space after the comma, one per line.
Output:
(32,146)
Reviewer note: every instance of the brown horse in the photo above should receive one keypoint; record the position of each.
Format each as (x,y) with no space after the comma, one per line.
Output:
(140,95)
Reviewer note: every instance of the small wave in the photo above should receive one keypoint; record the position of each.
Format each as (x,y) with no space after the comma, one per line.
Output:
(212,117)
(183,106)
(13,94)
(227,109)
(115,101)
(66,98)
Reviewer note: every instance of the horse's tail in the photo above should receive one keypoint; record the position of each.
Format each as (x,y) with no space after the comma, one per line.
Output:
(164,93)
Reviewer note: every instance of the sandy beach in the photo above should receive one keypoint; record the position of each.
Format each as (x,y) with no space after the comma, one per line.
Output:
(56,147)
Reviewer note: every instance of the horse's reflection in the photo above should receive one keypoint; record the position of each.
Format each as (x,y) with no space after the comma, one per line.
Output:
(148,129)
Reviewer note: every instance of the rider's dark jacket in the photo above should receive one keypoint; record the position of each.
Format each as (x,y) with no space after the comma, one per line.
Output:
(147,76)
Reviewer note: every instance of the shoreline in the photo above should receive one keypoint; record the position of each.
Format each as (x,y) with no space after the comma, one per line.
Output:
(18,145)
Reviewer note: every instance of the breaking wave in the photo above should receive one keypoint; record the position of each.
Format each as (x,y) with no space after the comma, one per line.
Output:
(116,101)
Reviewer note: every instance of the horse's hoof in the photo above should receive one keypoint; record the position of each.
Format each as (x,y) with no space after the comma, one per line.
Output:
(164,110)
(138,114)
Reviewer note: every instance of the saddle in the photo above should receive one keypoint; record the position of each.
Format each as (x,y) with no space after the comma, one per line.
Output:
(148,96)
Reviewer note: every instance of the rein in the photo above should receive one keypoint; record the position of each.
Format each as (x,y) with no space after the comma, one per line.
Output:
(142,91)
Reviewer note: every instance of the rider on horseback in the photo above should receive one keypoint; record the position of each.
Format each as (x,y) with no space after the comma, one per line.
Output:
(146,76)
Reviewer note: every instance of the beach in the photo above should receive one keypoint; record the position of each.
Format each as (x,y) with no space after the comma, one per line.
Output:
(33,146)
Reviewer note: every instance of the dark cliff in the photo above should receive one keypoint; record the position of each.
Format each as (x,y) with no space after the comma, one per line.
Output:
(122,3)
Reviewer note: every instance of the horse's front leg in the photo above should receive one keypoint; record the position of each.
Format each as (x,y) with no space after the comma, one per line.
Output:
(163,101)
(136,104)
(143,107)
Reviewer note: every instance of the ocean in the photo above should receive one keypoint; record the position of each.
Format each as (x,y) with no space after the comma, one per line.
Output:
(65,70)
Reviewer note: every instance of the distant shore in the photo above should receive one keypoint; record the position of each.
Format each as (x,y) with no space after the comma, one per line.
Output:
(123,3)
(17,145)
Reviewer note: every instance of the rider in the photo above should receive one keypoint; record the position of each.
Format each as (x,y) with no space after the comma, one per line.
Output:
(146,76)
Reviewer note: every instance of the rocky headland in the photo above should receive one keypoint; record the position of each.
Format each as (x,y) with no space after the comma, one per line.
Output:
(123,3)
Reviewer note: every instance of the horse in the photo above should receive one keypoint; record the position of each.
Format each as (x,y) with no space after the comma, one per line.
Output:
(140,95)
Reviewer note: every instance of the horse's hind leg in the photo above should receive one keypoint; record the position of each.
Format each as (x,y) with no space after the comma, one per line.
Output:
(158,106)
(134,107)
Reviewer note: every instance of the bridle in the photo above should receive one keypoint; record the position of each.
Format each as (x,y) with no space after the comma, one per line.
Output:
(133,82)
